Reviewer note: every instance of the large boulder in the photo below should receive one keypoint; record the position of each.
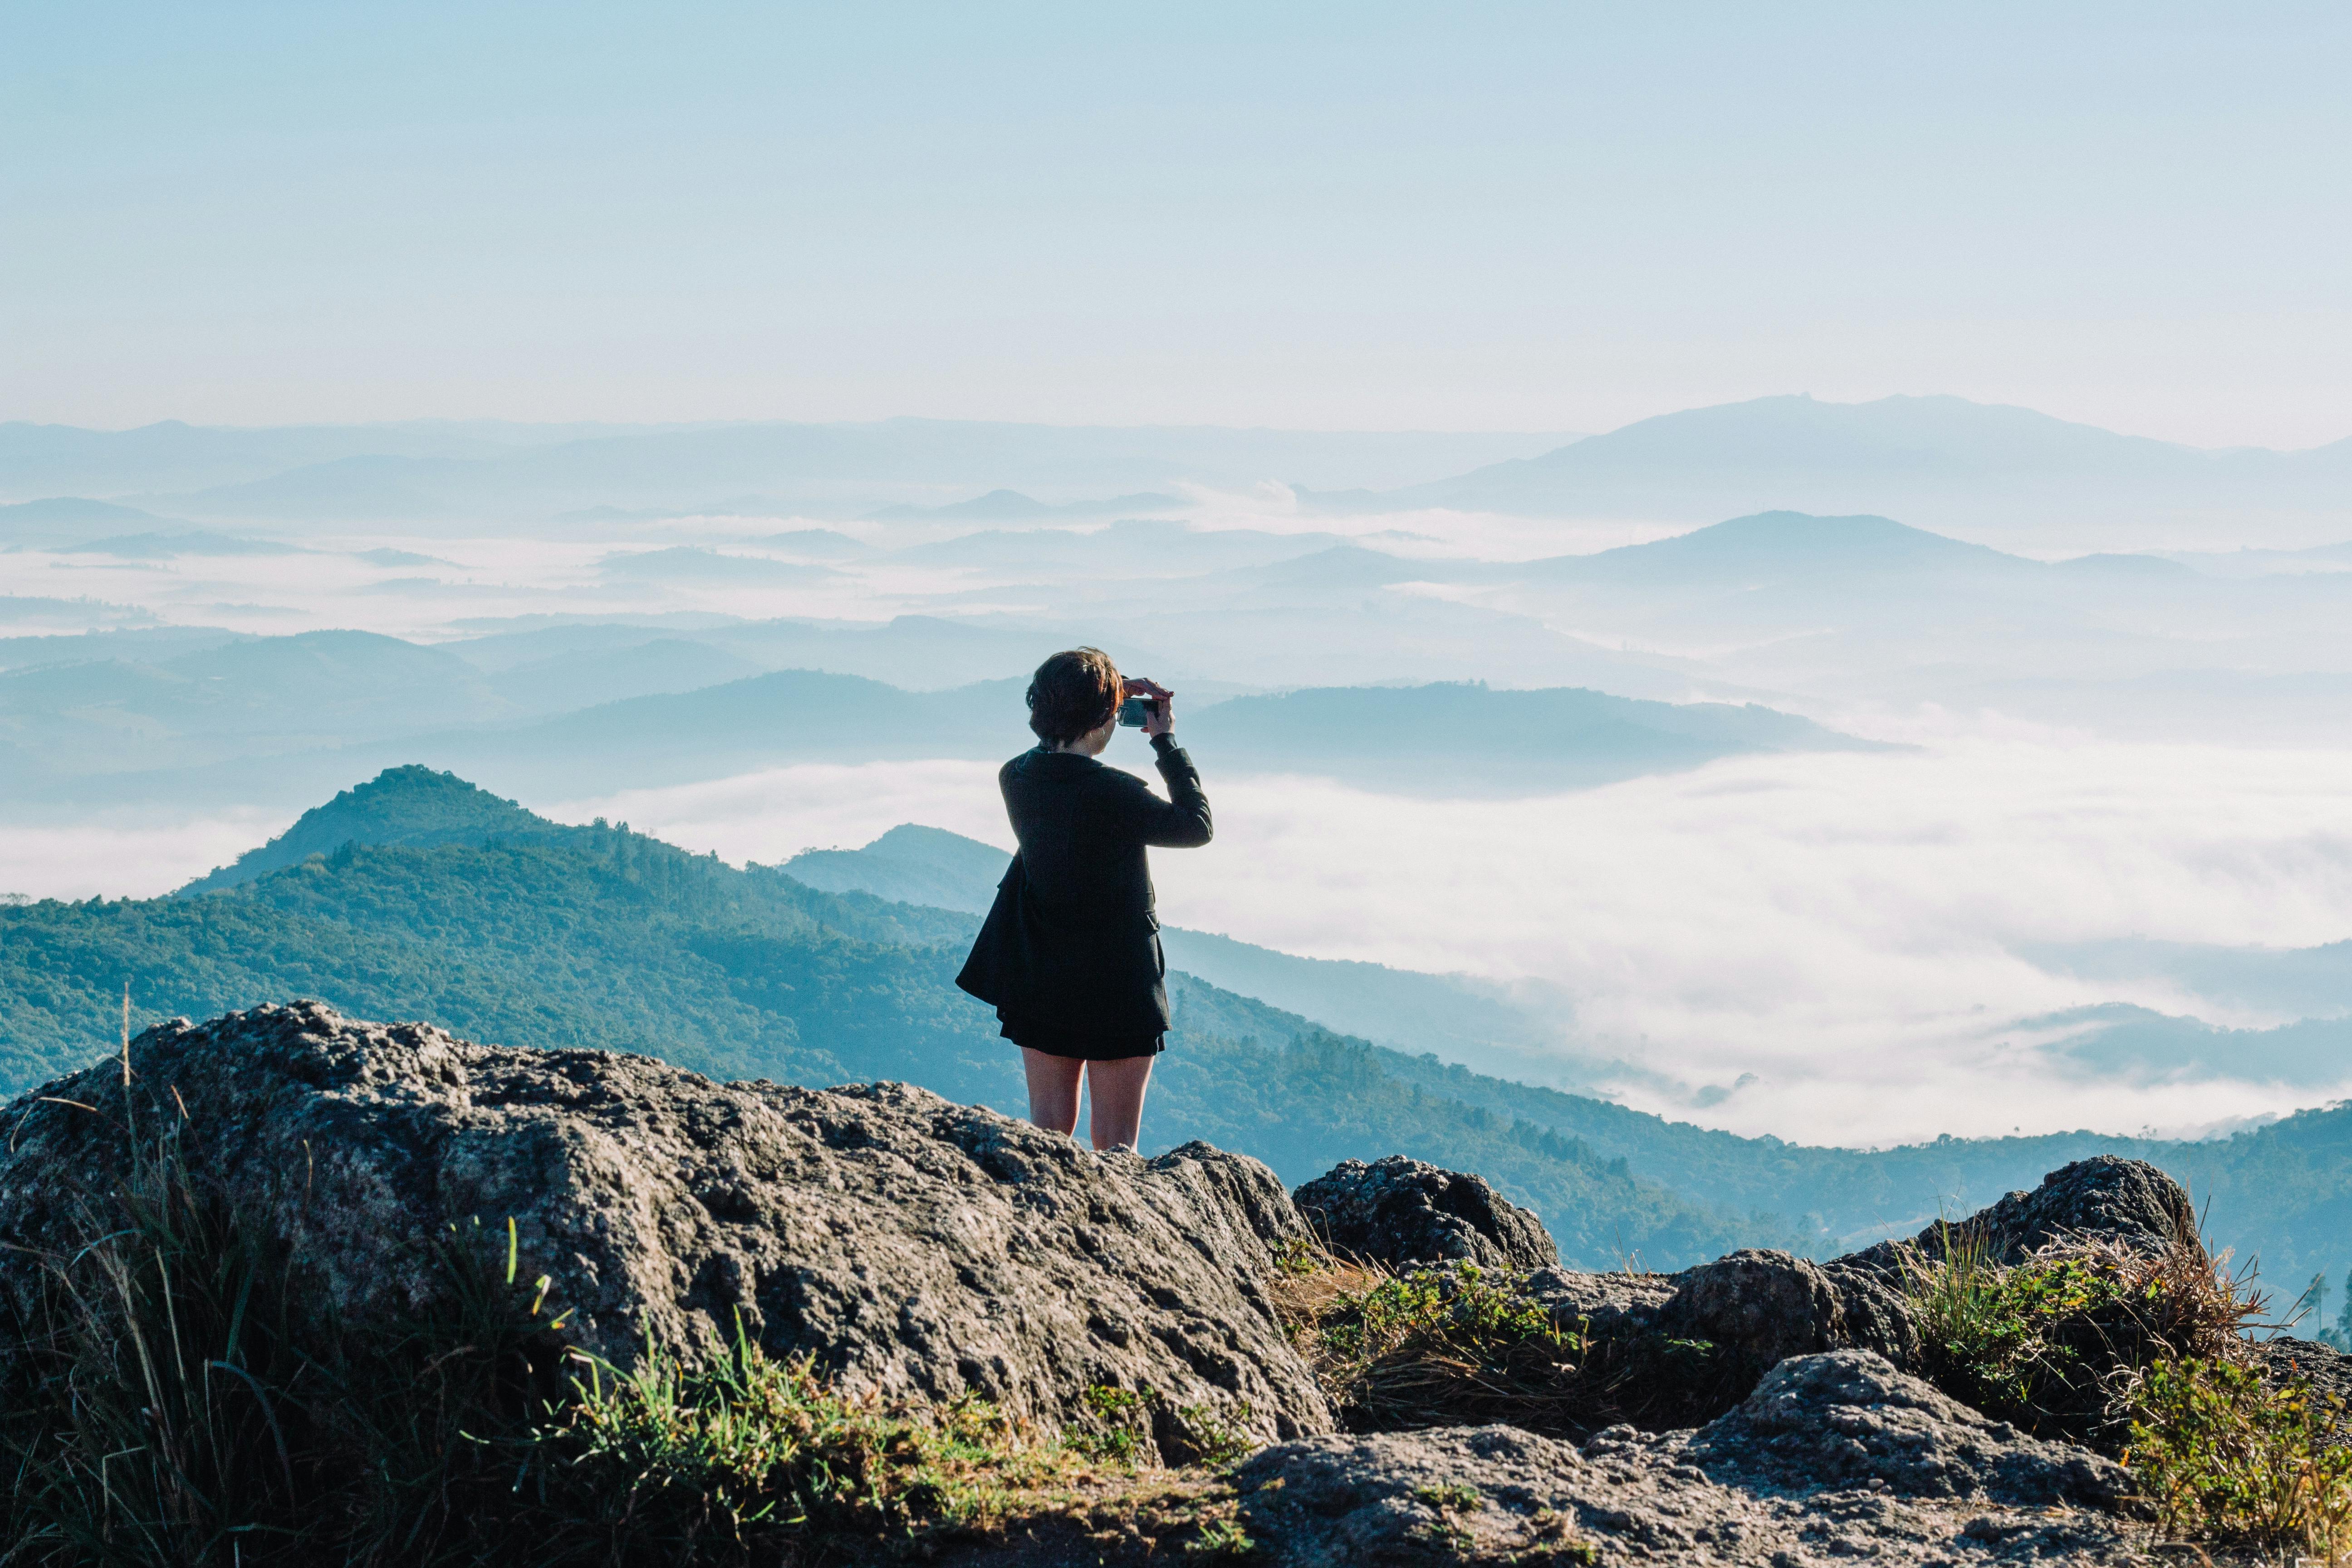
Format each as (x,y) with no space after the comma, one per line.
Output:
(1760,1307)
(1400,1212)
(914,1246)
(2104,1197)
(1832,1456)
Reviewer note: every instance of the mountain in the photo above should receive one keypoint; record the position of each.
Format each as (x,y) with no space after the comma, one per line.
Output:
(321,706)
(506,928)
(562,682)
(2293,982)
(1767,547)
(159,546)
(134,645)
(410,806)
(910,865)
(174,455)
(1464,736)
(1468,739)
(460,475)
(1987,471)
(248,697)
(64,519)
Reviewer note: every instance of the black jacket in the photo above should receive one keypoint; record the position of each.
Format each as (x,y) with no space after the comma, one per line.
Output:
(1073,940)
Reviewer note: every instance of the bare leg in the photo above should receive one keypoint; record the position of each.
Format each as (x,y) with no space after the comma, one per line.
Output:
(1115,1101)
(1053,1089)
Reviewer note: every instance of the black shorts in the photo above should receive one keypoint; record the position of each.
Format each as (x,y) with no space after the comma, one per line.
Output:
(1057,1042)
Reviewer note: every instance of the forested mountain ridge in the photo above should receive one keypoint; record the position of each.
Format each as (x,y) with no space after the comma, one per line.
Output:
(533,933)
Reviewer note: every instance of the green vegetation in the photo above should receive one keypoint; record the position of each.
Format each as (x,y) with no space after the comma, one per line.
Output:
(165,1403)
(418,896)
(2223,1456)
(746,1456)
(1430,1347)
(2056,1342)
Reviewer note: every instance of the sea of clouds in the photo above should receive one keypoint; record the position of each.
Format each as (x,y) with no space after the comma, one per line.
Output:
(1830,938)
(1821,947)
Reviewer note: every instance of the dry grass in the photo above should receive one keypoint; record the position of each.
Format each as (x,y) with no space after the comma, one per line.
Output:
(1446,1346)
(2057,1342)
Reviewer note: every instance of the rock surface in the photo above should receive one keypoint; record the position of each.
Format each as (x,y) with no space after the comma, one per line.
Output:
(1765,1307)
(916,1246)
(1399,1212)
(1835,1456)
(1850,1418)
(2127,1200)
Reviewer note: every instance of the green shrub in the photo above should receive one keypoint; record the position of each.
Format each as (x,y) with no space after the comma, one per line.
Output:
(2054,1342)
(1433,1346)
(2221,1455)
(746,1456)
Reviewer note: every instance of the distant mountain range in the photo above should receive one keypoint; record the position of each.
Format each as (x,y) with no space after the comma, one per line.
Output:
(1012,506)
(1461,1018)
(1990,473)
(423,475)
(272,716)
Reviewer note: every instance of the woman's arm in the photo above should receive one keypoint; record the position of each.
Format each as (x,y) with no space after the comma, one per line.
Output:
(1179,822)
(1182,821)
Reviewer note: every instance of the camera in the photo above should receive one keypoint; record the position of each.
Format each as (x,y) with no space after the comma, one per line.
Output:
(1137,711)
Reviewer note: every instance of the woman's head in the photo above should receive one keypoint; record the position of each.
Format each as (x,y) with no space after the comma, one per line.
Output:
(1073,694)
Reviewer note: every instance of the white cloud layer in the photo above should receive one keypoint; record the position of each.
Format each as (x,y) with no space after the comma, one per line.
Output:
(1839,926)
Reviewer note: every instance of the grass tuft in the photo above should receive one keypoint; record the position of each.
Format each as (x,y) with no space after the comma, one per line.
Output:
(2223,1456)
(2055,1343)
(749,1458)
(1444,1346)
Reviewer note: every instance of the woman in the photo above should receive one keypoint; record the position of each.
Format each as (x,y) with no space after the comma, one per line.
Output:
(1069,956)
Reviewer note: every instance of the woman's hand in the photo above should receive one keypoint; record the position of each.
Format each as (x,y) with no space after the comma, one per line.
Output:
(1163,706)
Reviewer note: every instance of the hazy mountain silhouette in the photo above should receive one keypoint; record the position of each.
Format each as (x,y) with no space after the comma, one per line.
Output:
(65,520)
(1945,461)
(197,541)
(1012,506)
(412,474)
(1775,546)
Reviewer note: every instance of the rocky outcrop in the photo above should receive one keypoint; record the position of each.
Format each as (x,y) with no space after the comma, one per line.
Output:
(922,1249)
(1397,1212)
(1832,1456)
(1850,1418)
(2128,1201)
(914,1245)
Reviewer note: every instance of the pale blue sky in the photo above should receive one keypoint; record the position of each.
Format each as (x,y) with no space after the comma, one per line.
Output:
(1362,215)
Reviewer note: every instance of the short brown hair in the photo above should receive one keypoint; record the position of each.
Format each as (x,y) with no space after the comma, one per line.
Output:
(1072,694)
